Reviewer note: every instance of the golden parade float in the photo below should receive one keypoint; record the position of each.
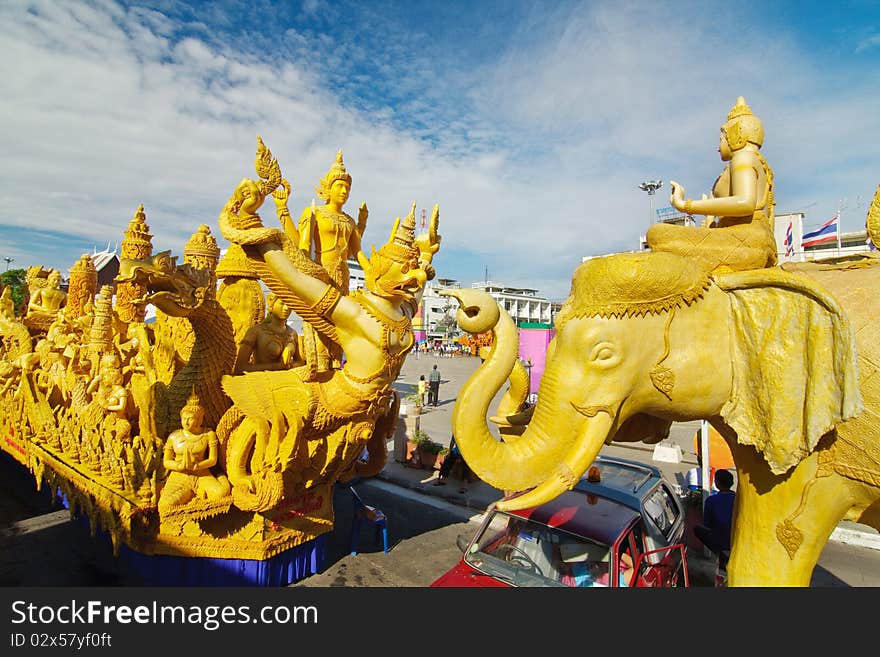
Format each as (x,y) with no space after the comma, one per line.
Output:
(780,359)
(207,443)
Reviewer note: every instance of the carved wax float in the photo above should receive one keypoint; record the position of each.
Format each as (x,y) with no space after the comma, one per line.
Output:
(130,420)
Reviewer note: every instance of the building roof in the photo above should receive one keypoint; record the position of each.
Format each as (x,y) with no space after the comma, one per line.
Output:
(103,258)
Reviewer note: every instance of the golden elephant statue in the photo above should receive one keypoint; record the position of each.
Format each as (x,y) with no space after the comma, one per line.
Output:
(781,361)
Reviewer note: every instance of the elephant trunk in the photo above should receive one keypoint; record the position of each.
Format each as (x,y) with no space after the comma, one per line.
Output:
(543,457)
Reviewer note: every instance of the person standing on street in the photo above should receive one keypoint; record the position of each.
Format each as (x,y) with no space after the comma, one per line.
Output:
(434,386)
(714,532)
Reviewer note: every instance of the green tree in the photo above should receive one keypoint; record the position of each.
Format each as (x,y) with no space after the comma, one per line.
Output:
(14,278)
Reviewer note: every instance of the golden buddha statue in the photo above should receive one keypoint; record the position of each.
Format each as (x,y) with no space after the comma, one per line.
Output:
(45,302)
(738,233)
(330,237)
(271,344)
(190,453)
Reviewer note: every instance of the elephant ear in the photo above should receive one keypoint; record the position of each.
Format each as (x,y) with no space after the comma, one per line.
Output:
(794,364)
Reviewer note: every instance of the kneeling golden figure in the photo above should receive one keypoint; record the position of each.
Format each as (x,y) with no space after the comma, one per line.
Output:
(190,453)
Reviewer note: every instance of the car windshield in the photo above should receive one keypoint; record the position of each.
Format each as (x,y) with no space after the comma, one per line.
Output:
(621,476)
(522,552)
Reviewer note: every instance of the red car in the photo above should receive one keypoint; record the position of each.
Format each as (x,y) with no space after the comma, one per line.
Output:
(622,525)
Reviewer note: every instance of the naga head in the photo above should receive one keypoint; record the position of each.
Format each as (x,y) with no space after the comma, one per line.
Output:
(176,290)
(395,271)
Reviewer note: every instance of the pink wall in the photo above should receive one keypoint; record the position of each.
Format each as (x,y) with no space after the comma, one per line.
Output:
(533,344)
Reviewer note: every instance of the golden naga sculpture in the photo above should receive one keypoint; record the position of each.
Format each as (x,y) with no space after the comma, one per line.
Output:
(289,432)
(131,419)
(738,233)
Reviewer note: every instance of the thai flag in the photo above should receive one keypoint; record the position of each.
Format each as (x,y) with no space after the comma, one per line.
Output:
(826,233)
(789,247)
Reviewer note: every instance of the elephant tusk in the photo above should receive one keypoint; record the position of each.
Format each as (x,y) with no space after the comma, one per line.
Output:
(564,479)
(568,472)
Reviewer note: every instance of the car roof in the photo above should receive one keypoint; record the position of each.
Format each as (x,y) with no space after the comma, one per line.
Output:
(625,481)
(597,518)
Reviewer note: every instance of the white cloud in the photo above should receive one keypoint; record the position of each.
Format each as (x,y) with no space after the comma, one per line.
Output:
(534,151)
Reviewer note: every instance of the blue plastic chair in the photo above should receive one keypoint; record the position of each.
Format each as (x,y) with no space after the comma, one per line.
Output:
(370,514)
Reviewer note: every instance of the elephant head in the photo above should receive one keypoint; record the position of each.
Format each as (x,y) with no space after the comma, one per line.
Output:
(643,340)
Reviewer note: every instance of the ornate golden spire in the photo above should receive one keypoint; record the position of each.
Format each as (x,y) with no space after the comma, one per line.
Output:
(234,264)
(138,242)
(336,172)
(400,244)
(202,246)
(81,286)
(740,109)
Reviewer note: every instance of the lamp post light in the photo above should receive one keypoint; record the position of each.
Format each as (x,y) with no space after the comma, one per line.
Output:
(651,186)
(8,259)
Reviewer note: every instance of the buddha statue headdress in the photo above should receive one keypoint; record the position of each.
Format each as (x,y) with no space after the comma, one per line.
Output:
(193,405)
(336,172)
(400,246)
(742,126)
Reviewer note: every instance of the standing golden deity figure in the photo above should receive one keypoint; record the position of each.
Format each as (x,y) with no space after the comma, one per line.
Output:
(294,434)
(330,237)
(738,232)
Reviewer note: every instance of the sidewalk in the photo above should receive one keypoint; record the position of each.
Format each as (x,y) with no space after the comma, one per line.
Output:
(437,422)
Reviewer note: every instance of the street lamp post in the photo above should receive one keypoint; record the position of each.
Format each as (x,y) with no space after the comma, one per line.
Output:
(8,260)
(651,186)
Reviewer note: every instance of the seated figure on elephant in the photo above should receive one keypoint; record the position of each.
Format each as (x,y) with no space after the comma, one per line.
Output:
(738,231)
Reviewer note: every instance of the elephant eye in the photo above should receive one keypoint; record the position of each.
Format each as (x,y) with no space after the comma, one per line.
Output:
(602,352)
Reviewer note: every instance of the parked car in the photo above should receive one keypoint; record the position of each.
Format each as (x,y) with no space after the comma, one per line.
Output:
(622,525)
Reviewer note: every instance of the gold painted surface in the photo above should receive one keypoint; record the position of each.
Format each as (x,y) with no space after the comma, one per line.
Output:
(204,433)
(330,236)
(782,361)
(738,231)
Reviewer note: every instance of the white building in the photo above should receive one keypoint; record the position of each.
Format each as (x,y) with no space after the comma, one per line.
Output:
(437,320)
(522,304)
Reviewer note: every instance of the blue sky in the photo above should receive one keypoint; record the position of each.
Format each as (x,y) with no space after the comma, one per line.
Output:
(530,123)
